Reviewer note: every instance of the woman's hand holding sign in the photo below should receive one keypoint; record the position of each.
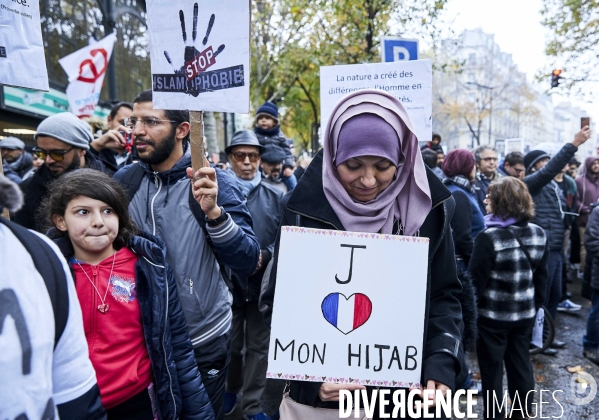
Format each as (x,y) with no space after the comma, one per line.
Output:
(205,190)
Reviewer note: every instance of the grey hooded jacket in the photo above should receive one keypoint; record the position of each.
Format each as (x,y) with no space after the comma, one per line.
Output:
(161,207)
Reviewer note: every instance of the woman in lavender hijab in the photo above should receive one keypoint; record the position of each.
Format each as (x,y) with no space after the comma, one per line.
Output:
(370,177)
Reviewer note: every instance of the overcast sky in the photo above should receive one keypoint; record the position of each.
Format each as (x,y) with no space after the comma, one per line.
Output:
(518,31)
(515,23)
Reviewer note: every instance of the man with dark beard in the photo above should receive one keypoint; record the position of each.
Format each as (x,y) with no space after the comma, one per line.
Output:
(198,222)
(63,144)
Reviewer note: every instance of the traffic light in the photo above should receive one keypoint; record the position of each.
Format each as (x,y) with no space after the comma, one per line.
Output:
(555,76)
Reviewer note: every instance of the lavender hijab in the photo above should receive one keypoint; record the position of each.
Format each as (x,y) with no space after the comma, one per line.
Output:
(407,198)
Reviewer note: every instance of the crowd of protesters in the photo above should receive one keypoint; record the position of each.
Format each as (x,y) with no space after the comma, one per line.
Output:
(513,241)
(161,267)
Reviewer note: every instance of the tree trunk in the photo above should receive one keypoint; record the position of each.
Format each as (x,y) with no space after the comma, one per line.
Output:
(210,133)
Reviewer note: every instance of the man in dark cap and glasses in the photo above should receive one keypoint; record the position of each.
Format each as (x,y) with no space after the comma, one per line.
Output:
(249,329)
(16,162)
(272,167)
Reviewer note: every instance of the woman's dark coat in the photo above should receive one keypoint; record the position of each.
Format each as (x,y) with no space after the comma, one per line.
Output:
(467,220)
(307,206)
(179,389)
(591,242)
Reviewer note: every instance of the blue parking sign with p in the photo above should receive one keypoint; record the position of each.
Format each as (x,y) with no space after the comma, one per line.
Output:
(397,49)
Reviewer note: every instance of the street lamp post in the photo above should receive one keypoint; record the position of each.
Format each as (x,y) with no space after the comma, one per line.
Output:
(490,89)
(109,23)
(109,18)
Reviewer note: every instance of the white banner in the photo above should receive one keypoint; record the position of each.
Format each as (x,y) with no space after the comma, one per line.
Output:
(411,82)
(355,314)
(22,61)
(86,69)
(200,55)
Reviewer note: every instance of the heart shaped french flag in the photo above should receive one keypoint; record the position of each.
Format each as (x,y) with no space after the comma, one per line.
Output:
(346,313)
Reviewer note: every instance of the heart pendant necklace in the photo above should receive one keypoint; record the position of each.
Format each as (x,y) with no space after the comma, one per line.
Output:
(103,307)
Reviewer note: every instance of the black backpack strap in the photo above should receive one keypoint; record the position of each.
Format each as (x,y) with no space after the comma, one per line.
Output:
(50,268)
(131,179)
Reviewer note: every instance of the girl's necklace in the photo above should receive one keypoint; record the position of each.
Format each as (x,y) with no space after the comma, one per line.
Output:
(103,307)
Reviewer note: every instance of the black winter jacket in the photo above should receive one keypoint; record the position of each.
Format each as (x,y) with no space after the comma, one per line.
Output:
(179,389)
(35,188)
(549,200)
(276,139)
(591,242)
(307,206)
(107,157)
(264,204)
(22,165)
(481,185)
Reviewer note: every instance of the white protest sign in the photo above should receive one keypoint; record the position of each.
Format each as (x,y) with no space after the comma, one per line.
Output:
(200,54)
(86,69)
(22,61)
(411,82)
(354,314)
(537,331)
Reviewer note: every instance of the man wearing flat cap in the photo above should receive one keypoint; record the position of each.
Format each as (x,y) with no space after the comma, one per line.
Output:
(15,161)
(249,329)
(62,143)
(271,163)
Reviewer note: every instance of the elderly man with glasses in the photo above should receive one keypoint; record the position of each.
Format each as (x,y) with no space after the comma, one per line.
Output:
(16,162)
(249,330)
(63,144)
(486,172)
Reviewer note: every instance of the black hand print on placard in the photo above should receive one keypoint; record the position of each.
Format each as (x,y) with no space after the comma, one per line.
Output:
(191,51)
(200,71)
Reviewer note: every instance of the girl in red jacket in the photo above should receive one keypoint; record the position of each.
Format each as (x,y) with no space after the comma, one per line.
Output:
(135,329)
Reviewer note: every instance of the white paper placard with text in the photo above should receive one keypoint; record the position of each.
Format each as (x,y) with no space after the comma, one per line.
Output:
(353,313)
(200,54)
(22,60)
(411,82)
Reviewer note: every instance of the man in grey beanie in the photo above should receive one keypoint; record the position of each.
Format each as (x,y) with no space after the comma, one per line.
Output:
(63,144)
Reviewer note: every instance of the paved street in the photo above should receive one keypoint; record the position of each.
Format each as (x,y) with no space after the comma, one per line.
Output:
(551,371)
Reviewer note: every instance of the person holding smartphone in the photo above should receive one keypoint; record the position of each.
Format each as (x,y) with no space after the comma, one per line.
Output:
(113,147)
